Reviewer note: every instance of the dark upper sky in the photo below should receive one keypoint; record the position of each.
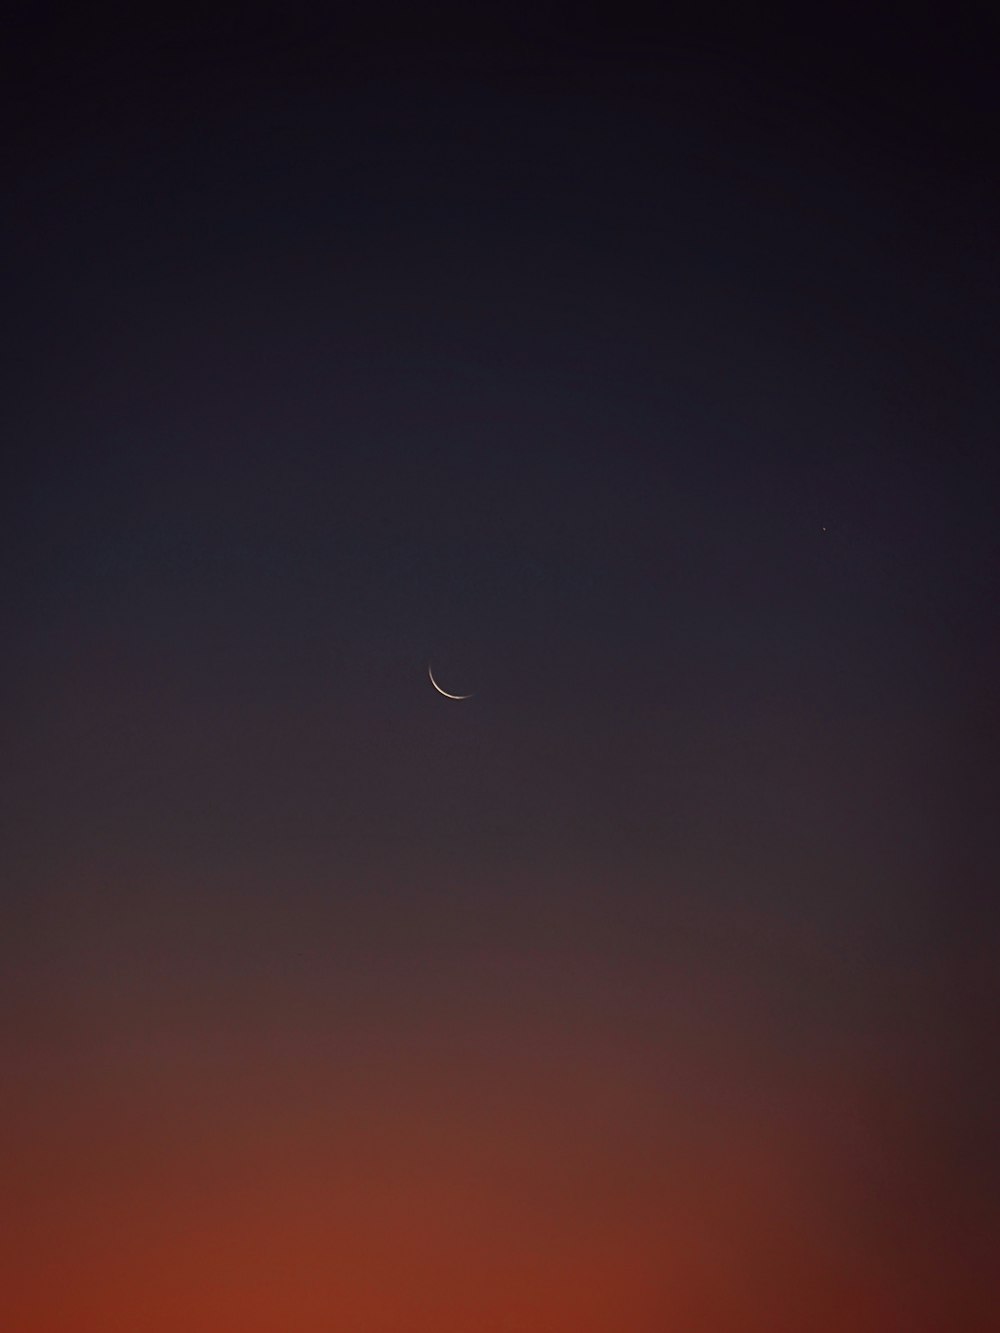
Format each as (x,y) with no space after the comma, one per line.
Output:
(644,381)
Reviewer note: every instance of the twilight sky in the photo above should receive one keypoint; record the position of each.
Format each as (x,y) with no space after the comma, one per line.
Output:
(644,381)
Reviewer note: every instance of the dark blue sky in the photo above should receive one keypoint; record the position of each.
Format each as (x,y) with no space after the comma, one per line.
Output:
(644,381)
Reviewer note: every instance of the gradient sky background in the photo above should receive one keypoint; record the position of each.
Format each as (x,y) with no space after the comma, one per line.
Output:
(645,381)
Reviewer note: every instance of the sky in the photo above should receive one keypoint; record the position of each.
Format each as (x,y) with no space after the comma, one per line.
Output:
(641,380)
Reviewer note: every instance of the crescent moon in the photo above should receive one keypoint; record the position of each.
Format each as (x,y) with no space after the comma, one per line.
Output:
(445,692)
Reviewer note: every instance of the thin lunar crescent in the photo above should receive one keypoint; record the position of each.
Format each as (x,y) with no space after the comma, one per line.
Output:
(445,692)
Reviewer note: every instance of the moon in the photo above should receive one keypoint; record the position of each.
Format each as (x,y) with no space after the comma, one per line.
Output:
(444,692)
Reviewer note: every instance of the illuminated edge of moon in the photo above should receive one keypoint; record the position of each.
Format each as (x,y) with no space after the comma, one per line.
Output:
(430,674)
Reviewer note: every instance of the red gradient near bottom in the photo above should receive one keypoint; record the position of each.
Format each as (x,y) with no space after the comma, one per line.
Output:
(509,1155)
